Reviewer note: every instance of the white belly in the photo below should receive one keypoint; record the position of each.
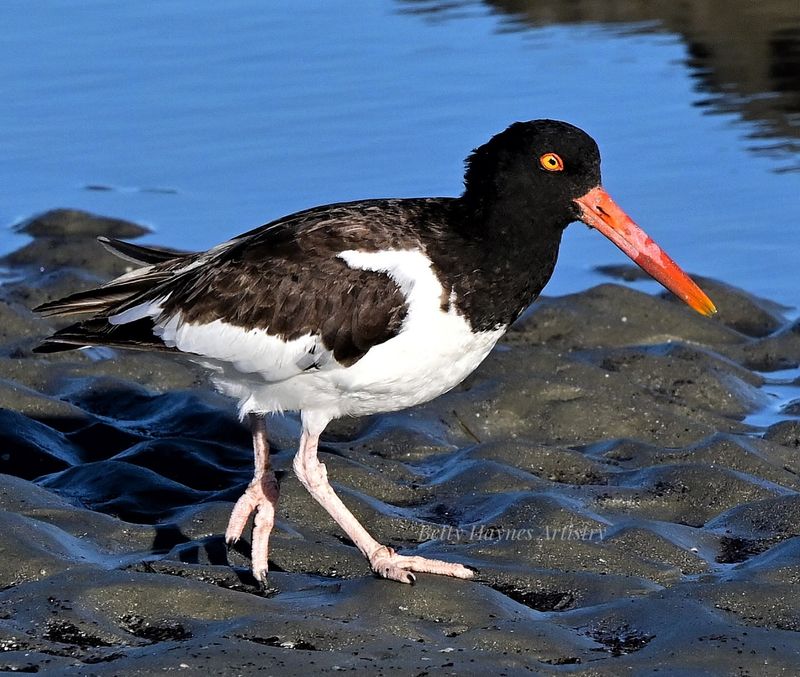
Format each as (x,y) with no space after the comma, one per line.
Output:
(411,368)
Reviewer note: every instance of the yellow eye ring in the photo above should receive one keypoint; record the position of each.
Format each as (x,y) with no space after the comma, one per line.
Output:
(551,162)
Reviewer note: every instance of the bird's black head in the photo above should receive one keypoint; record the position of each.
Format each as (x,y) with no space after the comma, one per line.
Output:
(526,184)
(531,174)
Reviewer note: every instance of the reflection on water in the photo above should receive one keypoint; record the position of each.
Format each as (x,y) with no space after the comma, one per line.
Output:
(744,55)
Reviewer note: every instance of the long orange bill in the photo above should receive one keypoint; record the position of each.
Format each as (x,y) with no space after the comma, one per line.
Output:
(599,211)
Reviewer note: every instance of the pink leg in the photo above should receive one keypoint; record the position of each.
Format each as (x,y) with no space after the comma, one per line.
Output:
(382,559)
(261,497)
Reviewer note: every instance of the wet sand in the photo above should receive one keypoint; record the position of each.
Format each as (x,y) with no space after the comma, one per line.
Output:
(597,470)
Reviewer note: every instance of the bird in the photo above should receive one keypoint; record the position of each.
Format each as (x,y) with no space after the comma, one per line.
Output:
(362,307)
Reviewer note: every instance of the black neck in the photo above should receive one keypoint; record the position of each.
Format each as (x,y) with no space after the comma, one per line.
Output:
(499,260)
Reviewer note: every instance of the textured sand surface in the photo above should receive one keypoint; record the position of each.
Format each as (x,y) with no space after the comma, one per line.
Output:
(598,470)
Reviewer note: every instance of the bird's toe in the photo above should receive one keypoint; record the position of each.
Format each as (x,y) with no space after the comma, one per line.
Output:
(388,564)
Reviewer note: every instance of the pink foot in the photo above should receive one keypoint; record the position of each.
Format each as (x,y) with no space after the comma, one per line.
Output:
(388,564)
(260,498)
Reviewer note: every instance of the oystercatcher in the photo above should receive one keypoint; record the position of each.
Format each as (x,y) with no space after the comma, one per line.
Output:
(363,307)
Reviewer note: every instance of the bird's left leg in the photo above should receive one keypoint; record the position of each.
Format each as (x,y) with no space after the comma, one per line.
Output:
(261,497)
(383,560)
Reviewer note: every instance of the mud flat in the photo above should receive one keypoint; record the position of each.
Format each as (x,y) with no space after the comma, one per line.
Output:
(602,470)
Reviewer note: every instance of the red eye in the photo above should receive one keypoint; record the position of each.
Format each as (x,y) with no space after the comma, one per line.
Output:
(551,162)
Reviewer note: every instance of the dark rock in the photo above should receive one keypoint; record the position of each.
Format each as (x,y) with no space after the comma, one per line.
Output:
(76,223)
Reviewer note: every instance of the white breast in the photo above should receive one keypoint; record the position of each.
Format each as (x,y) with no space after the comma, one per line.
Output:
(434,351)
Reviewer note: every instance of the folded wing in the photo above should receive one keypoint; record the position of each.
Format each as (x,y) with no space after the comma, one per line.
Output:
(278,301)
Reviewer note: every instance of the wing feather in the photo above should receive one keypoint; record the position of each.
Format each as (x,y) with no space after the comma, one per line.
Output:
(283,281)
(139,254)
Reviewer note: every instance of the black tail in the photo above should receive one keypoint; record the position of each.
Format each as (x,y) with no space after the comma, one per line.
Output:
(105,301)
(101,299)
(100,332)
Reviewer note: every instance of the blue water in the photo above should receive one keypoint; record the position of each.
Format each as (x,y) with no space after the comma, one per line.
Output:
(203,119)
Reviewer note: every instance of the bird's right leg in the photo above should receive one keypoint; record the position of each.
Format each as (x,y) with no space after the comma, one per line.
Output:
(261,497)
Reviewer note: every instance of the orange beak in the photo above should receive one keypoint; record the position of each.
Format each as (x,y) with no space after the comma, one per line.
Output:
(599,211)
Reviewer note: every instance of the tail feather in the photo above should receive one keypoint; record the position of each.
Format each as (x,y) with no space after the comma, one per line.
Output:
(139,254)
(102,299)
(160,265)
(100,332)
